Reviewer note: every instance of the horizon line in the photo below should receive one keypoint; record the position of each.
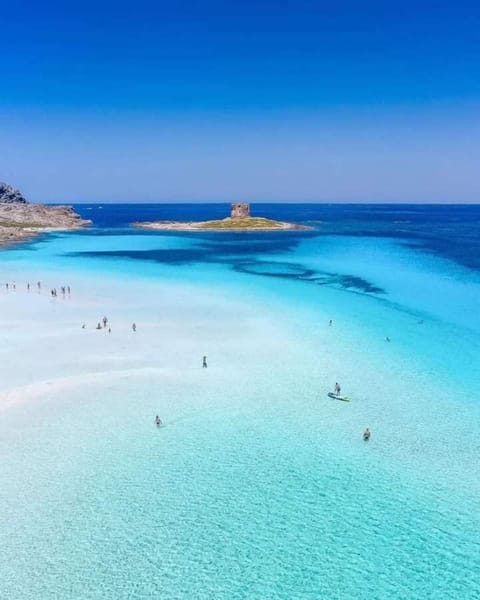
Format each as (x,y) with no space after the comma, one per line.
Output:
(227,202)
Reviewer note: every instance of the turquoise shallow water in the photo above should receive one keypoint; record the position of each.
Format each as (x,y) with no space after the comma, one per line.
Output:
(258,486)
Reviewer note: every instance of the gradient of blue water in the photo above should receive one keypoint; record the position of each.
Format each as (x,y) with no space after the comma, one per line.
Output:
(451,231)
(272,497)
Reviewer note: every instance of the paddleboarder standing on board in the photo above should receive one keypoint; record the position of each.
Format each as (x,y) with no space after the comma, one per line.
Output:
(338,389)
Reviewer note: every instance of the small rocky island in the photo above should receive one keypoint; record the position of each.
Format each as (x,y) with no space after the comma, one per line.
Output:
(239,220)
(20,220)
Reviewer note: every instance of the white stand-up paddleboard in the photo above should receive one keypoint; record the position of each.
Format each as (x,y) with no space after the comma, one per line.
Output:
(337,397)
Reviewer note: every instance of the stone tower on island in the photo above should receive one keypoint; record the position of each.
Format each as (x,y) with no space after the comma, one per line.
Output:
(240,211)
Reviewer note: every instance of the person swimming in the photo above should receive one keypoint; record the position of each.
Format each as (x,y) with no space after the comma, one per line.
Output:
(366,435)
(158,421)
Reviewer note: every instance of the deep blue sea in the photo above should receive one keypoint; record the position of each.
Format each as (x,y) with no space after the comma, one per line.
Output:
(258,486)
(451,231)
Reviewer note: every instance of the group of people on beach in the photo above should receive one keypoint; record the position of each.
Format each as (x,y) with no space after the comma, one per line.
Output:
(64,289)
(103,325)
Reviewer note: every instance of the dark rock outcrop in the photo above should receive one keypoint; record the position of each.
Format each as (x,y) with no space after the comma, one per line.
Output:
(9,194)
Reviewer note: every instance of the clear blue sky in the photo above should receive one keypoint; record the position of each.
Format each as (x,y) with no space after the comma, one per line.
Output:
(219,101)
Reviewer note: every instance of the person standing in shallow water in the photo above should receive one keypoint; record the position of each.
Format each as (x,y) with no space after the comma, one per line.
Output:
(134,327)
(158,421)
(105,321)
(204,362)
(366,435)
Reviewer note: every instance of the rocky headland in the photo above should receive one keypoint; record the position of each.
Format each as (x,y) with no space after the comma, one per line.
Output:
(20,220)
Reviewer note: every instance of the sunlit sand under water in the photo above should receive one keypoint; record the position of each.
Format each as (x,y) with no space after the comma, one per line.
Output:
(257,486)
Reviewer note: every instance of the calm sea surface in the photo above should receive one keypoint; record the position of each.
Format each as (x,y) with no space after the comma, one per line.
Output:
(259,486)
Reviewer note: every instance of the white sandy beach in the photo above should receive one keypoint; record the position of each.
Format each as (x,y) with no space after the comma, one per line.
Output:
(46,352)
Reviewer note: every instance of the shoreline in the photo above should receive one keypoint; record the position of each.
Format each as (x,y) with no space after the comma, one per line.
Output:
(19,234)
(22,222)
(235,225)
